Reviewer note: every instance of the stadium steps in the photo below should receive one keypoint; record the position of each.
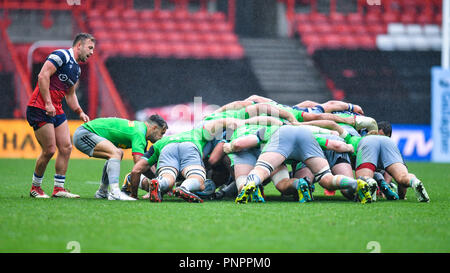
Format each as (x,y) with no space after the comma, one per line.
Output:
(285,70)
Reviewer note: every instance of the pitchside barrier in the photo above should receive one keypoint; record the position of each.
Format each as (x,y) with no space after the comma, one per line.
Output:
(17,140)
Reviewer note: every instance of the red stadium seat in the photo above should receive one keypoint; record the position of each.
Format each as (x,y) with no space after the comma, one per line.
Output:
(372,18)
(355,18)
(359,29)
(179,50)
(306,28)
(150,25)
(333,41)
(342,29)
(318,18)
(200,16)
(337,18)
(324,28)
(390,17)
(233,51)
(408,18)
(366,41)
(196,50)
(147,15)
(97,24)
(154,36)
(112,14)
(191,37)
(113,25)
(376,29)
(130,14)
(349,41)
(227,38)
(131,25)
(207,37)
(202,27)
(217,17)
(220,26)
(173,37)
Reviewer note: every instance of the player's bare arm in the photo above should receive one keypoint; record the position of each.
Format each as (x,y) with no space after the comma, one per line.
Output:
(235,105)
(269,109)
(48,69)
(240,144)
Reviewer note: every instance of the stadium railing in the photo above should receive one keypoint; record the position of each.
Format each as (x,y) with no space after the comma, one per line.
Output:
(9,59)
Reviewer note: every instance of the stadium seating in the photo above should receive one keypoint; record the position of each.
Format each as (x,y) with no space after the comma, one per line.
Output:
(396,24)
(164,33)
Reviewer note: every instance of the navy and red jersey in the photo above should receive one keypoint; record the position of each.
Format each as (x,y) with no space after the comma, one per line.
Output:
(67,74)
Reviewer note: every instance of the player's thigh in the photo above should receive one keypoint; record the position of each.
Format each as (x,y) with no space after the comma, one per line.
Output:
(316,164)
(399,172)
(242,169)
(342,168)
(106,149)
(46,137)
(62,134)
(273,158)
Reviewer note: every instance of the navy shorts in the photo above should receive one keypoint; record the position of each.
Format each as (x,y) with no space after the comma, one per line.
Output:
(37,118)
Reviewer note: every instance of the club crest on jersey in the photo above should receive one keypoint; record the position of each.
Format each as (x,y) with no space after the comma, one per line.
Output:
(63,77)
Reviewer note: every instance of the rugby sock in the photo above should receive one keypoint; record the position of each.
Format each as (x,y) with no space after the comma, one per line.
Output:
(344,182)
(163,184)
(413,182)
(59,180)
(191,184)
(113,172)
(240,182)
(37,180)
(255,178)
(295,183)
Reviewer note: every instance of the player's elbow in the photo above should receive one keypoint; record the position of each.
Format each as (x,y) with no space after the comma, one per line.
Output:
(43,76)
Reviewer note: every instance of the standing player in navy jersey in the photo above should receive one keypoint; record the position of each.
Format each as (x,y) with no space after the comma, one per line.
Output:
(57,80)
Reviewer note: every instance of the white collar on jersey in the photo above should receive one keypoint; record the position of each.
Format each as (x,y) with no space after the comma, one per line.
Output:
(71,54)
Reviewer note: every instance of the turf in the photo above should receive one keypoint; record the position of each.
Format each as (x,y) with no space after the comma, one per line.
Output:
(329,224)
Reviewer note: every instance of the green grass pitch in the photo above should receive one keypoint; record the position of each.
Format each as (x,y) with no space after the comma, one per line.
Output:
(329,224)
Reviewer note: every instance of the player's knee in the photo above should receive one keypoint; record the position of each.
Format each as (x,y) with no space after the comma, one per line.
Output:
(197,173)
(48,151)
(117,153)
(402,178)
(65,149)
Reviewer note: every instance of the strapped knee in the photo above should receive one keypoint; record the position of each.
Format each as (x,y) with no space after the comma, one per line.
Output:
(264,165)
(196,171)
(318,176)
(168,171)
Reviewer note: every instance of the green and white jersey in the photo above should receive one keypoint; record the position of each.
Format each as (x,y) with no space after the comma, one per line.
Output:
(238,114)
(298,114)
(122,133)
(263,132)
(198,136)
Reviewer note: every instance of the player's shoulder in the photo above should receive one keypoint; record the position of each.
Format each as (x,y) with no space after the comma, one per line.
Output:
(61,56)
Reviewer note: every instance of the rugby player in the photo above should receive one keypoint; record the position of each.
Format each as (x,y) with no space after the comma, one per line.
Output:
(297,143)
(57,79)
(180,153)
(106,137)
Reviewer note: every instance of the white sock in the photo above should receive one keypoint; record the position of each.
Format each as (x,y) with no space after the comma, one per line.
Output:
(59,180)
(37,180)
(191,184)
